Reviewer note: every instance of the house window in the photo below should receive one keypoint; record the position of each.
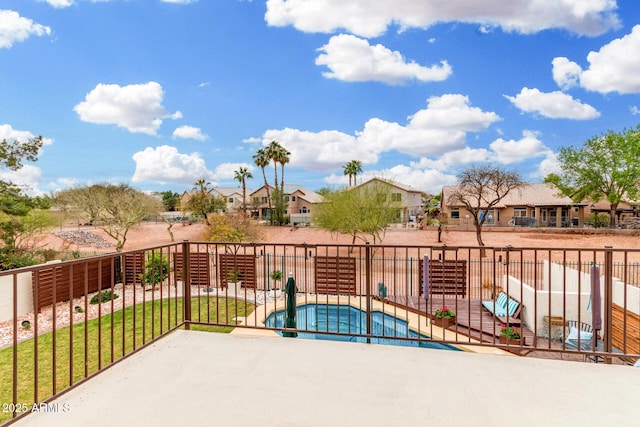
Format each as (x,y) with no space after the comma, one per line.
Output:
(230,199)
(522,212)
(455,213)
(396,197)
(293,198)
(256,200)
(304,210)
(264,200)
(544,215)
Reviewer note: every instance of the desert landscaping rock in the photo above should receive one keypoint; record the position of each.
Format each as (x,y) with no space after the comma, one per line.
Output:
(83,238)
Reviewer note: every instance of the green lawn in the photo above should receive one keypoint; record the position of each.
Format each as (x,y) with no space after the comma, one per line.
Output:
(150,319)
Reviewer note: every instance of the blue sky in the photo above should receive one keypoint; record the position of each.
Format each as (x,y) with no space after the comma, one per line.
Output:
(159,93)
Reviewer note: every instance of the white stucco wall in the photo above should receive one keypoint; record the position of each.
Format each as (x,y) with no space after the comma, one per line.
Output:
(578,296)
(25,295)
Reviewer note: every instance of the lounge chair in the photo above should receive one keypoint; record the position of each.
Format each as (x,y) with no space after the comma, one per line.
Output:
(505,309)
(580,338)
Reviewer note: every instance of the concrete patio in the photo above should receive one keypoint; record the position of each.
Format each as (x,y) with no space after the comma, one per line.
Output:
(199,378)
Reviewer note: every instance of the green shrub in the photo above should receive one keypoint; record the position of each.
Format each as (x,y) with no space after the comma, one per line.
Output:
(103,297)
(11,258)
(599,220)
(49,254)
(156,269)
(276,276)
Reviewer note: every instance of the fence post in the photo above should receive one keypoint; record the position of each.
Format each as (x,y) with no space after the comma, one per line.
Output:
(186,286)
(368,288)
(608,300)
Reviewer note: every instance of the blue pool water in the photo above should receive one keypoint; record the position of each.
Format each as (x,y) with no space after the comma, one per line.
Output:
(351,321)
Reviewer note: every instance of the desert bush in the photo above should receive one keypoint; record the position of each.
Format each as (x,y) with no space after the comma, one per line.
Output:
(599,220)
(104,296)
(156,268)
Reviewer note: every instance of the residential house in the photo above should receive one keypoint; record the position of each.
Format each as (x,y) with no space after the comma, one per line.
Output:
(300,203)
(232,196)
(624,211)
(528,205)
(408,200)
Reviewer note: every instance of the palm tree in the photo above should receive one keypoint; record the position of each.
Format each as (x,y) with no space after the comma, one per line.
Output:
(347,171)
(352,169)
(241,175)
(283,159)
(200,201)
(357,169)
(261,159)
(273,153)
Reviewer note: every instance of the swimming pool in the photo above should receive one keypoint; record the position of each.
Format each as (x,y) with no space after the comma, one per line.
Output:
(351,321)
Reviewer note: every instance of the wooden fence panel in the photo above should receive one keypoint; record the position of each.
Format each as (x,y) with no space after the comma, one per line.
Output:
(243,264)
(99,274)
(199,267)
(448,277)
(133,268)
(632,333)
(335,275)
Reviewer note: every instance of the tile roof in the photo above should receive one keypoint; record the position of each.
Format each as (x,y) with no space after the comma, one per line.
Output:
(539,194)
(405,187)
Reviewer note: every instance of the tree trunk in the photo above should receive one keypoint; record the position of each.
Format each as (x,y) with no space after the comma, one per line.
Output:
(244,198)
(612,215)
(266,185)
(170,232)
(483,252)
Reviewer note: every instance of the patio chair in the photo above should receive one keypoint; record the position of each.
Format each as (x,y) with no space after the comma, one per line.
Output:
(580,338)
(505,309)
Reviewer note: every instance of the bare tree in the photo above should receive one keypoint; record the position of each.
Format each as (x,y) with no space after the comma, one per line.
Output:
(480,189)
(112,208)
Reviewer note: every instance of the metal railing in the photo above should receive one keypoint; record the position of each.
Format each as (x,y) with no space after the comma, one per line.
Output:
(376,296)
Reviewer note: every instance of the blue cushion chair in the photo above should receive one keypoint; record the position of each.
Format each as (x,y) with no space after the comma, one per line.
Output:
(505,309)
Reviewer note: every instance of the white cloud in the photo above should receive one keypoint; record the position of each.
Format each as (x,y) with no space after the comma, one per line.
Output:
(28,177)
(566,73)
(227,171)
(252,140)
(634,110)
(426,179)
(455,158)
(164,164)
(549,165)
(430,174)
(58,4)
(553,105)
(137,108)
(615,68)
(190,132)
(10,134)
(321,151)
(372,18)
(439,128)
(512,151)
(353,59)
(15,28)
